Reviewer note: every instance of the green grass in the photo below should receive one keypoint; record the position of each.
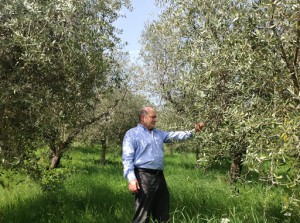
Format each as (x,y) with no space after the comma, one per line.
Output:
(95,193)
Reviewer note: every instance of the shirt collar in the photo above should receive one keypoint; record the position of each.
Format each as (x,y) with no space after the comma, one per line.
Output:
(143,127)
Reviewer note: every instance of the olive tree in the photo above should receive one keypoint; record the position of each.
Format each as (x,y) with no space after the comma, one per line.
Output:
(56,64)
(234,64)
(124,116)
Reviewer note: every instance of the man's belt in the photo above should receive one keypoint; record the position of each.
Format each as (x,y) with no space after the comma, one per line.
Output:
(151,171)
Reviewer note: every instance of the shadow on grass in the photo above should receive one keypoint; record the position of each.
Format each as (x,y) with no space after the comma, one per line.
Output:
(206,209)
(238,202)
(96,204)
(88,160)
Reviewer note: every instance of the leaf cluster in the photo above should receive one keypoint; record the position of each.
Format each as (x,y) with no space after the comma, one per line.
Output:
(234,65)
(56,62)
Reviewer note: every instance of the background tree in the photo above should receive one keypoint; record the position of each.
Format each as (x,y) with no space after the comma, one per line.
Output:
(111,132)
(126,102)
(56,60)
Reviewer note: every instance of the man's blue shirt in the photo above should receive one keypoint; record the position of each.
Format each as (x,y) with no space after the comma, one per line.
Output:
(144,149)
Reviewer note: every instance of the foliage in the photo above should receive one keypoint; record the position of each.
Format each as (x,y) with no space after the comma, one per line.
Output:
(36,166)
(57,62)
(235,65)
(124,117)
(124,114)
(125,103)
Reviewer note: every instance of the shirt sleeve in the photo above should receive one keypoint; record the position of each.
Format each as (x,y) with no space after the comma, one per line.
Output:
(178,136)
(128,153)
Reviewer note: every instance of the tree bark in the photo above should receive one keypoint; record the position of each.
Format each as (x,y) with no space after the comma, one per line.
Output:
(235,168)
(103,153)
(197,157)
(55,161)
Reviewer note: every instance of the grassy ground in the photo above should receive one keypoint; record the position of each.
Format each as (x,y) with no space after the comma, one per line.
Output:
(94,193)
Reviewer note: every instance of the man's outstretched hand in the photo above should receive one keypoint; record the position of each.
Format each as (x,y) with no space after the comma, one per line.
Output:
(199,126)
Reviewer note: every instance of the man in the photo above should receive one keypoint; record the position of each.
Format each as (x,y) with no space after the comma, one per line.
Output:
(143,161)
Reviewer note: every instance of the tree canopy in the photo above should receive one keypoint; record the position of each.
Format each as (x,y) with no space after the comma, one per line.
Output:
(235,65)
(57,63)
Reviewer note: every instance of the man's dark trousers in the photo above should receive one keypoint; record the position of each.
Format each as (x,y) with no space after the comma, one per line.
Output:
(152,197)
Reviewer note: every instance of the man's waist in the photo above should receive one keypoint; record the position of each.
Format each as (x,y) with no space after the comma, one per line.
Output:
(146,170)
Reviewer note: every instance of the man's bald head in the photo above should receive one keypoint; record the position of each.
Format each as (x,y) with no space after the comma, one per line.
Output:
(148,117)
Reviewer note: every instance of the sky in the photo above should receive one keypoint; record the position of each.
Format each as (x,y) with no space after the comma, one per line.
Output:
(133,25)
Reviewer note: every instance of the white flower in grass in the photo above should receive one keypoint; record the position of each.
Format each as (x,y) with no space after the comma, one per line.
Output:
(225,220)
(287,214)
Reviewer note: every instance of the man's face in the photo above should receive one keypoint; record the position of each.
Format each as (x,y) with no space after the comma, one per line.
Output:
(149,119)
